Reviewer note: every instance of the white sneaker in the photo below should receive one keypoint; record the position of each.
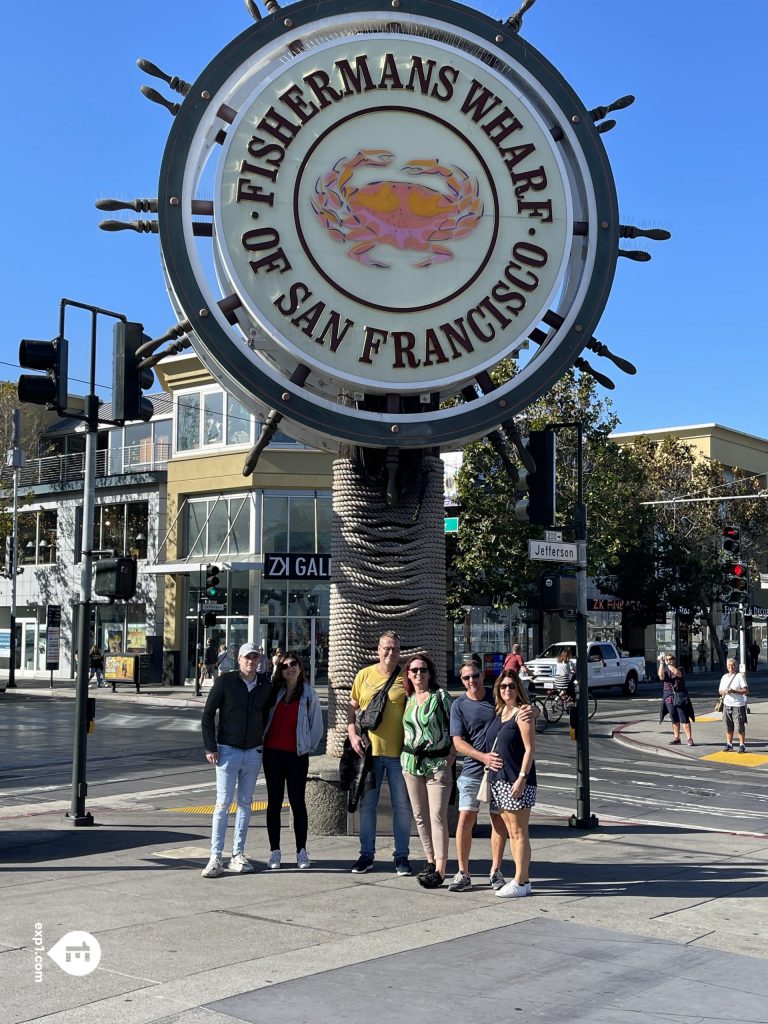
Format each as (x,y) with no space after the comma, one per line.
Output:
(240,864)
(302,859)
(213,868)
(513,890)
(274,860)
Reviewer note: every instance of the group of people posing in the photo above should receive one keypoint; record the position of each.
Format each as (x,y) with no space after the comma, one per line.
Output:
(676,702)
(413,745)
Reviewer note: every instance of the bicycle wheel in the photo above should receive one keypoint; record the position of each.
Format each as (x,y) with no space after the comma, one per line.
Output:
(542,719)
(592,704)
(555,709)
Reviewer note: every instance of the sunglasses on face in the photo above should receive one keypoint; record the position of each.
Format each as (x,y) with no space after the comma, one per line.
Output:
(418,668)
(475,675)
(289,664)
(507,686)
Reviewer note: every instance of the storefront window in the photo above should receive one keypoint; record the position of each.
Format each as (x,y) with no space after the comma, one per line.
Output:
(137,528)
(240,536)
(47,534)
(218,524)
(36,537)
(275,516)
(302,531)
(324,517)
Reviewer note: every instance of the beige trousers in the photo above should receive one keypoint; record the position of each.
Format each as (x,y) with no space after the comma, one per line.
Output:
(429,795)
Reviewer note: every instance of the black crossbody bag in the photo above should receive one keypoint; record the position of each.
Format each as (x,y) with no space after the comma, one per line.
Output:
(370,719)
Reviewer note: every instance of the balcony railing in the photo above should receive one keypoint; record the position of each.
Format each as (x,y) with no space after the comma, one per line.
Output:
(134,458)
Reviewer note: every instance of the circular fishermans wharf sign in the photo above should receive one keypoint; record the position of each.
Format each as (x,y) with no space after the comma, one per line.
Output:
(400,201)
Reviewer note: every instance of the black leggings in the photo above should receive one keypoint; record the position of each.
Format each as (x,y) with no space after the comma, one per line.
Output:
(281,769)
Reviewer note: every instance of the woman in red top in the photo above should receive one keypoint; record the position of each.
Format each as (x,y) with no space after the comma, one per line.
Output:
(294,727)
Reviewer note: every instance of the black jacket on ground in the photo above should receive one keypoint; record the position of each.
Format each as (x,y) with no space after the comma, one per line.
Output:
(241,713)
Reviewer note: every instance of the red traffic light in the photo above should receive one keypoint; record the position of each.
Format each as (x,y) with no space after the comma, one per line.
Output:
(738,570)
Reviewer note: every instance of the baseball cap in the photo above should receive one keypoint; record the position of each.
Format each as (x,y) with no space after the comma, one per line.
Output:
(247,649)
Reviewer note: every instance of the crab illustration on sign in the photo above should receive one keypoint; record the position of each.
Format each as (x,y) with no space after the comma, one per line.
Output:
(411,217)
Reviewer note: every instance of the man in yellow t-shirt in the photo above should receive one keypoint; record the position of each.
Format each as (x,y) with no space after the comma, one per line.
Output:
(386,747)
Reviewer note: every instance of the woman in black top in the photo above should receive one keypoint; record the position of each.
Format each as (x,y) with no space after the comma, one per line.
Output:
(675,701)
(513,779)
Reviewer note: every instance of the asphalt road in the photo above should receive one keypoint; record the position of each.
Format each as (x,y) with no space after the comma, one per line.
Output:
(153,755)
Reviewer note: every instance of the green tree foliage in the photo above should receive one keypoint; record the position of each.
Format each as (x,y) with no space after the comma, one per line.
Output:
(490,563)
(685,535)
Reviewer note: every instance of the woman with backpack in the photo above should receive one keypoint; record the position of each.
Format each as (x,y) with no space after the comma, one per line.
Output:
(427,761)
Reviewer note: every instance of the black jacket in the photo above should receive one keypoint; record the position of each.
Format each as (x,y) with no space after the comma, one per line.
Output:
(241,713)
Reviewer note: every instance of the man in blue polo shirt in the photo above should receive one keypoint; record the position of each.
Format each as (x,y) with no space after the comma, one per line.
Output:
(471,714)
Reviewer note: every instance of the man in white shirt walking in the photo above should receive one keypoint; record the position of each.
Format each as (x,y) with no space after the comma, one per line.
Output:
(734,689)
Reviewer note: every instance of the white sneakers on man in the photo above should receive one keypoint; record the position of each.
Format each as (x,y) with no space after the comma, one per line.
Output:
(513,890)
(213,868)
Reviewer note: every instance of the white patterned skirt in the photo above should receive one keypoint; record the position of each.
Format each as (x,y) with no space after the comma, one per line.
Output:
(502,796)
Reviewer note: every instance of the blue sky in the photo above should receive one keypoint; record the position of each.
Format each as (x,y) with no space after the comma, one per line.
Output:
(690,156)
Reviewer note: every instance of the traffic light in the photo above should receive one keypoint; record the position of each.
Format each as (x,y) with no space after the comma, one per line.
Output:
(540,505)
(50,390)
(737,582)
(115,577)
(128,381)
(209,619)
(212,581)
(731,540)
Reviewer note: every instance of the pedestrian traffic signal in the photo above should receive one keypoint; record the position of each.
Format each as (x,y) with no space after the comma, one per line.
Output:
(540,506)
(731,540)
(737,582)
(209,619)
(115,577)
(212,581)
(50,390)
(128,379)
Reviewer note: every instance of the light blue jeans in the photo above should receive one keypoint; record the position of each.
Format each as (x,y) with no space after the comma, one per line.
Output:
(401,808)
(237,769)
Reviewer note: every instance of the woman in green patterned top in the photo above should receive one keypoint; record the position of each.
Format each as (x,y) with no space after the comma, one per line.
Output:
(426,760)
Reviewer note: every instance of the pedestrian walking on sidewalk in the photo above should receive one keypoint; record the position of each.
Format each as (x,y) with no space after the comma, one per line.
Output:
(234,746)
(427,760)
(513,785)
(675,701)
(386,747)
(294,728)
(96,666)
(734,691)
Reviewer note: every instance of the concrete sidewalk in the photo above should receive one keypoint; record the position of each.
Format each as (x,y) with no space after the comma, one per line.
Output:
(625,920)
(629,920)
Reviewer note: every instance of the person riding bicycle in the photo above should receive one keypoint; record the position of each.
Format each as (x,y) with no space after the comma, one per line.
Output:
(564,678)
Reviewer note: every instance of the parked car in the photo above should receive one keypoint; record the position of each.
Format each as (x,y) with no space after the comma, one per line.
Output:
(607,666)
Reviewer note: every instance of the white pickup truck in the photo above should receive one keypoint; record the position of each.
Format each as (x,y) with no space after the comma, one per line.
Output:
(607,666)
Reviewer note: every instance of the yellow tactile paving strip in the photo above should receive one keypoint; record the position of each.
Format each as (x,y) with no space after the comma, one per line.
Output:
(733,757)
(260,805)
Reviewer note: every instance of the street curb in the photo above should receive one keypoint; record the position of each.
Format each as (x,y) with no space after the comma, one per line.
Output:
(132,698)
(634,744)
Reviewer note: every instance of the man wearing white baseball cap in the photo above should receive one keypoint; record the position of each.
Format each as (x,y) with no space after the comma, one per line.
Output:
(234,747)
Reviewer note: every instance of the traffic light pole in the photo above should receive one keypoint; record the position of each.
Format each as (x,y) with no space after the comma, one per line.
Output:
(198,635)
(583,818)
(13,562)
(77,812)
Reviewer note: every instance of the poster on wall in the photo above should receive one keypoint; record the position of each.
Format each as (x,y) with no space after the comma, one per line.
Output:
(136,638)
(114,640)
